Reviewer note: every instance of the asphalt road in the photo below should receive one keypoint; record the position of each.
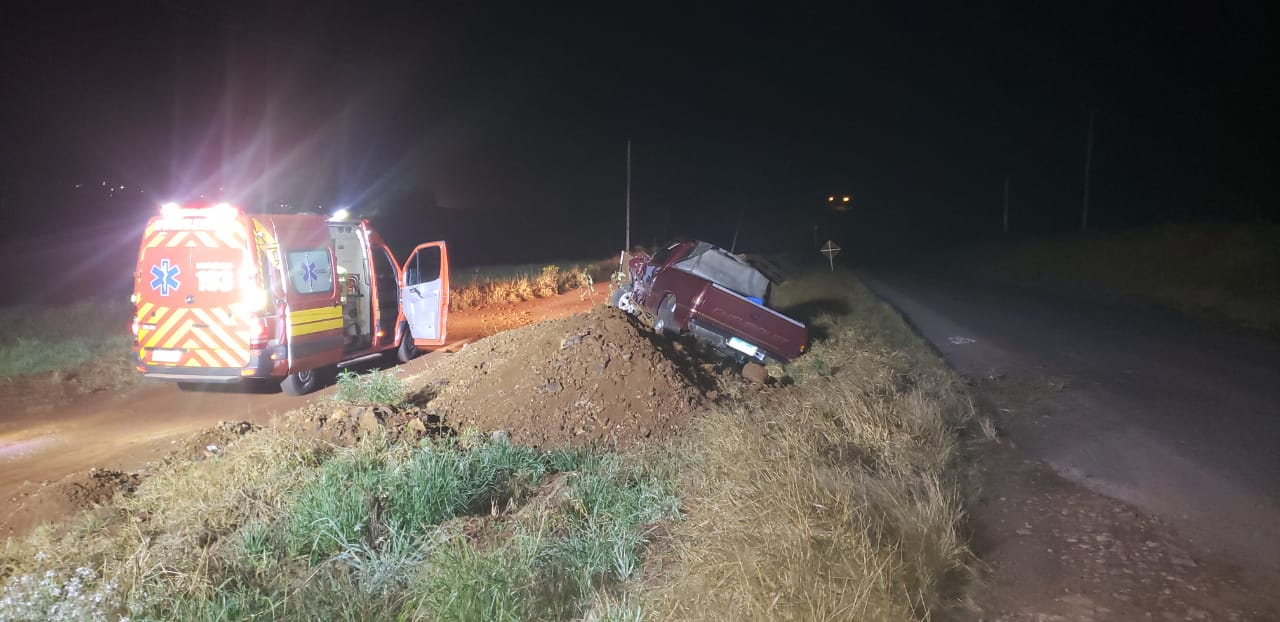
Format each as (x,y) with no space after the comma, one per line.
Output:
(1178,420)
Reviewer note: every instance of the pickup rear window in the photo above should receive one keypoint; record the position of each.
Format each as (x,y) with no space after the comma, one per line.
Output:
(663,255)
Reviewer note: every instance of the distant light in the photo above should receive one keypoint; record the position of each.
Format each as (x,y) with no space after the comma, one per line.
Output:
(340,214)
(844,199)
(831,199)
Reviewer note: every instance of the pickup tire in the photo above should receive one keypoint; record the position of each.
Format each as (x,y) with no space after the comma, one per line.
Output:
(621,299)
(666,322)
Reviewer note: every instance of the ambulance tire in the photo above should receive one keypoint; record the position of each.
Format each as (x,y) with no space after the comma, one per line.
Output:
(408,350)
(302,383)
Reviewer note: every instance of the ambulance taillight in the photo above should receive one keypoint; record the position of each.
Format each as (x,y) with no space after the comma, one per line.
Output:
(258,333)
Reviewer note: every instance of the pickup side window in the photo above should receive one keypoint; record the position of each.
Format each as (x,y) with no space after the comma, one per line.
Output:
(309,271)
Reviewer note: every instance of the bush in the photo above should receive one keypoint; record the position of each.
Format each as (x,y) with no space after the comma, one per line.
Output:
(547,283)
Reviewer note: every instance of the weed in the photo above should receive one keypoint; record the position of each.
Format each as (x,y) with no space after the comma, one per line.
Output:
(548,283)
(464,584)
(442,481)
(376,388)
(332,512)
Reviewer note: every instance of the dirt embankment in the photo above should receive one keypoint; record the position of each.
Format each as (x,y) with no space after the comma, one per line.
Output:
(588,379)
(56,428)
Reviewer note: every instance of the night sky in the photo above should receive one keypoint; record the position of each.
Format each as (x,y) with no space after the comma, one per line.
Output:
(503,128)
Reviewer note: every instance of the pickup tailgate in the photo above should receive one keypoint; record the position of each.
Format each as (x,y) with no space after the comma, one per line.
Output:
(732,315)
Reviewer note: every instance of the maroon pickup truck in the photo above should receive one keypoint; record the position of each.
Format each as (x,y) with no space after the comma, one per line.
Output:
(703,290)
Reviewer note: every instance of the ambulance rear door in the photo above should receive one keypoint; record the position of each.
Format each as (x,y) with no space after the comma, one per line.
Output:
(189,273)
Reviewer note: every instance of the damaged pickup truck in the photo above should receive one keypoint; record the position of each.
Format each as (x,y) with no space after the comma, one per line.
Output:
(697,288)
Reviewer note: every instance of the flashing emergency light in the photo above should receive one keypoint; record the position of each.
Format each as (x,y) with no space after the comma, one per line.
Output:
(170,209)
(340,214)
(223,210)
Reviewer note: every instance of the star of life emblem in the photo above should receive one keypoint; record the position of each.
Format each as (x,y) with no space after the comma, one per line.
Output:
(164,277)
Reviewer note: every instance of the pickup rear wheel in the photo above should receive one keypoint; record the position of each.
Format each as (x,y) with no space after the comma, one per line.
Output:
(666,322)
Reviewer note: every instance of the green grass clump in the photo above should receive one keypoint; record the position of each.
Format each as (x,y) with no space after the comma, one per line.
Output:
(332,512)
(562,565)
(358,494)
(376,388)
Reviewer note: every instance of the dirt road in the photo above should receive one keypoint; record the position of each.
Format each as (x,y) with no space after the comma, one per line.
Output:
(1159,435)
(49,442)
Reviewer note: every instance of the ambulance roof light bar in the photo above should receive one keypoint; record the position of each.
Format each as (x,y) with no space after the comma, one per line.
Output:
(221,210)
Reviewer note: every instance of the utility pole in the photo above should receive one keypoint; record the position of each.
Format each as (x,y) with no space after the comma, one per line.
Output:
(1088,164)
(734,246)
(627,248)
(1006,203)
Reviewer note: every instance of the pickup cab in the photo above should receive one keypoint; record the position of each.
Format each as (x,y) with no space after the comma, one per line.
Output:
(697,288)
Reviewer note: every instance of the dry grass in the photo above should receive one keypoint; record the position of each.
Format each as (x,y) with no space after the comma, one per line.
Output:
(1217,272)
(841,498)
(166,533)
(552,280)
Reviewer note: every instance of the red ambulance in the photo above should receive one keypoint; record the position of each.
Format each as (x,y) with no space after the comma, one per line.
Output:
(222,296)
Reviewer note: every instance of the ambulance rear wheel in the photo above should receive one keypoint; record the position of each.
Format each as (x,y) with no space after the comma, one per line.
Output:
(301,383)
(408,349)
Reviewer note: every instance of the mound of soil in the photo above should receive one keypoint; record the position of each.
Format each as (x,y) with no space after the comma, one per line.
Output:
(345,426)
(97,487)
(211,441)
(593,378)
